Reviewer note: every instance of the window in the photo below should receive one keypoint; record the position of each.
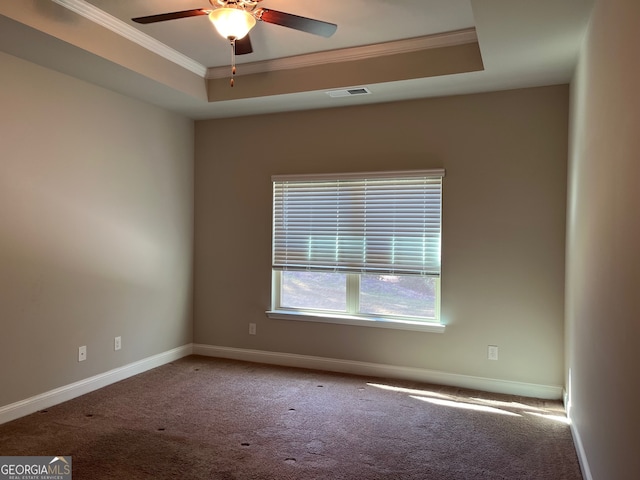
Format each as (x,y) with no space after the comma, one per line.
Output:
(358,248)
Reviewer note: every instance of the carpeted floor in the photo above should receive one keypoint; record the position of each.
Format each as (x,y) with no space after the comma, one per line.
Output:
(206,418)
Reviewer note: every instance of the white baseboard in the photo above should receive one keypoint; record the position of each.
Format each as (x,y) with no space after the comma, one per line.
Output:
(551,392)
(67,392)
(582,455)
(577,442)
(577,439)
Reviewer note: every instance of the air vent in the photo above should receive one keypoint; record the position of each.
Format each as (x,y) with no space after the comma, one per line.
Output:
(349,92)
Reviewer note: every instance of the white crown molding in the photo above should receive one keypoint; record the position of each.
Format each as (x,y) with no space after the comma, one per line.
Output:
(125,30)
(447,39)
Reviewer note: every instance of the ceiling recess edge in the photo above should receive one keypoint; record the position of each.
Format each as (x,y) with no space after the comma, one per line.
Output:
(100,17)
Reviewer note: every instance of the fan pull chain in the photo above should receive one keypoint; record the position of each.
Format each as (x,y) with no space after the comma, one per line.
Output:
(233,59)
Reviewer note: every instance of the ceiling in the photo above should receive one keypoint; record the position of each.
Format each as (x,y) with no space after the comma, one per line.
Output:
(399,50)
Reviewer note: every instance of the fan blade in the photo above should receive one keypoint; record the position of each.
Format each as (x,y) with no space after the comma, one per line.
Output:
(303,24)
(171,16)
(243,46)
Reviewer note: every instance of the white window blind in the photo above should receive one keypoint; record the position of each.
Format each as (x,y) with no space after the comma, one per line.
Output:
(370,223)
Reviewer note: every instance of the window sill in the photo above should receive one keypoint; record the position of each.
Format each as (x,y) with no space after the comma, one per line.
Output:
(432,327)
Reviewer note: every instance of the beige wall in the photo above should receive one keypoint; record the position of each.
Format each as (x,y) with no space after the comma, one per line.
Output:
(503,227)
(603,244)
(96,227)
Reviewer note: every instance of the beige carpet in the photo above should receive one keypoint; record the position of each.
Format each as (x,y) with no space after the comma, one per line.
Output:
(204,418)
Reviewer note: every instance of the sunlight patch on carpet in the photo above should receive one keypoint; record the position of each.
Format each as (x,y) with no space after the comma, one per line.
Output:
(555,418)
(466,406)
(498,403)
(409,391)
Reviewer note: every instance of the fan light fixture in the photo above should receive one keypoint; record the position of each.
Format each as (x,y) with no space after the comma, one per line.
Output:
(232,23)
(234,18)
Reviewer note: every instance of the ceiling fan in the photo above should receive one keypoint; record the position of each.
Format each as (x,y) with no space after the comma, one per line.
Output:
(235,18)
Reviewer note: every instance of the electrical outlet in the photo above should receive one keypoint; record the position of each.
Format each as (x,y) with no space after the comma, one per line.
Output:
(252,329)
(117,343)
(82,353)
(492,352)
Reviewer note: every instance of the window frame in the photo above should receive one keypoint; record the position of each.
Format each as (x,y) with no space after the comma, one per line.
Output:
(352,316)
